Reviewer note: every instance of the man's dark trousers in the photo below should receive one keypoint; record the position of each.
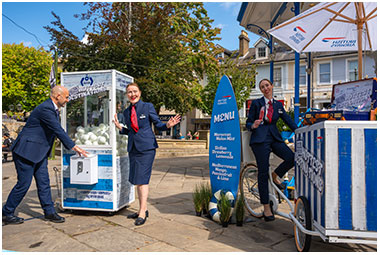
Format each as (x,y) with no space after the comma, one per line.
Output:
(25,172)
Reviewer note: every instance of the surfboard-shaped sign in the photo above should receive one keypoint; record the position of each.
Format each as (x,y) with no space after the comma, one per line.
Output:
(224,151)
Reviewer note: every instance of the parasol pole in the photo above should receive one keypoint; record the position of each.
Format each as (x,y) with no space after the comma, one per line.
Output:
(360,53)
(359,7)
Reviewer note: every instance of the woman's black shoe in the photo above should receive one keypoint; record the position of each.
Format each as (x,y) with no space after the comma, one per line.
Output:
(133,216)
(269,218)
(281,186)
(136,215)
(140,221)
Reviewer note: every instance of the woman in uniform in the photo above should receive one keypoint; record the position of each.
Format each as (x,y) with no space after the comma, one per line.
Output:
(142,144)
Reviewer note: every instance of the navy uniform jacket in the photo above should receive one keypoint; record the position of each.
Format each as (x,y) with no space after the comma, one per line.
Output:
(259,134)
(36,138)
(144,139)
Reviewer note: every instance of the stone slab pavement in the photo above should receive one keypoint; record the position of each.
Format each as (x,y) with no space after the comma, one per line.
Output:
(171,227)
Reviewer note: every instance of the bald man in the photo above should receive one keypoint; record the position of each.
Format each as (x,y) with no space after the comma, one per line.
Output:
(30,153)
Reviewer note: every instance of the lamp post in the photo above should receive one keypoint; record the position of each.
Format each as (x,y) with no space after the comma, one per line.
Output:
(262,32)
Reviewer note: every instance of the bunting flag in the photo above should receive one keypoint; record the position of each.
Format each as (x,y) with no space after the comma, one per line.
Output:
(52,79)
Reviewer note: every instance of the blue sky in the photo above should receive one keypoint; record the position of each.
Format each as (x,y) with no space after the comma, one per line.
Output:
(32,16)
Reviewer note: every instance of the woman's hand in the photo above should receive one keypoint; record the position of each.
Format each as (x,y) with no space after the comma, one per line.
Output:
(173,121)
(116,121)
(256,124)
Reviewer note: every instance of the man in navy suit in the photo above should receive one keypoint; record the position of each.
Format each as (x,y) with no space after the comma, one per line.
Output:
(30,152)
(263,115)
(142,144)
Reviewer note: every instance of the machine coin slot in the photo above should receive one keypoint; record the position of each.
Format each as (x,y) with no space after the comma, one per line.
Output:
(80,167)
(84,170)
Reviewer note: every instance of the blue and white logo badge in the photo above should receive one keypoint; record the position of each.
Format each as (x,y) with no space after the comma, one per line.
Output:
(299,35)
(86,81)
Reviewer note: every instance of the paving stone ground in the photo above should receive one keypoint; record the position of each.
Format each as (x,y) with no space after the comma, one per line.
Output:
(171,227)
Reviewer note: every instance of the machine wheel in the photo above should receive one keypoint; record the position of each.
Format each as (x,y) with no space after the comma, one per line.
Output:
(249,189)
(303,215)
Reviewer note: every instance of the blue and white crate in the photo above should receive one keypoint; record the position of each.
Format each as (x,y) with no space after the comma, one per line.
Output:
(336,170)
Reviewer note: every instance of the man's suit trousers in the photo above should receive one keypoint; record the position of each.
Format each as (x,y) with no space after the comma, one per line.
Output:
(25,172)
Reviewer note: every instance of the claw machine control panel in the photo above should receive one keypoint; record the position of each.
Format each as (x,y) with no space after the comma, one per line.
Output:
(84,170)
(100,181)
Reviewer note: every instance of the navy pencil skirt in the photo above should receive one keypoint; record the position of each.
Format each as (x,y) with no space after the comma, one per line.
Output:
(140,166)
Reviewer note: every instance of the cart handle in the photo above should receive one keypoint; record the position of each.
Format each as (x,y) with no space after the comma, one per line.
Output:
(300,122)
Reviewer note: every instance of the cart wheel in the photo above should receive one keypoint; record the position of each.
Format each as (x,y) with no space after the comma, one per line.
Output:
(249,189)
(303,215)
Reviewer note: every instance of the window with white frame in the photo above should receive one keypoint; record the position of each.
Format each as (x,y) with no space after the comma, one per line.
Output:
(277,77)
(324,73)
(352,70)
(262,52)
(302,75)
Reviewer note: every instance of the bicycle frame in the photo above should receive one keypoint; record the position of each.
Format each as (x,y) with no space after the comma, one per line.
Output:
(290,216)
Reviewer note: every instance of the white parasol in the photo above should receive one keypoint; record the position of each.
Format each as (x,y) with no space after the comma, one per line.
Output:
(342,26)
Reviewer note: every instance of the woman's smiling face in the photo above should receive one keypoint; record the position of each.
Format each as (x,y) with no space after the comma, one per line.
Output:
(266,88)
(133,93)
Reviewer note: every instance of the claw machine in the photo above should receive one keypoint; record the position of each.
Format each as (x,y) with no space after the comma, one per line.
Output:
(100,181)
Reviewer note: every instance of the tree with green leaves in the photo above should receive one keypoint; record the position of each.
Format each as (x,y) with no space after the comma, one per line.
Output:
(25,76)
(165,46)
(242,78)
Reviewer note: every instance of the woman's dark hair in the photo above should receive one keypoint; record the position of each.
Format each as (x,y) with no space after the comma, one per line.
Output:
(265,80)
(132,84)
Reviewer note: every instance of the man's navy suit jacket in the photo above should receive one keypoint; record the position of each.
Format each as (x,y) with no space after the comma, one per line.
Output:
(144,139)
(36,138)
(259,134)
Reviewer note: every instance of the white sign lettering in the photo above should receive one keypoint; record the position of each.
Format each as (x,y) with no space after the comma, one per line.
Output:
(310,166)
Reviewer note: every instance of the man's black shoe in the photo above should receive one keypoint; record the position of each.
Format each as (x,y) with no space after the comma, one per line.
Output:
(54,218)
(12,220)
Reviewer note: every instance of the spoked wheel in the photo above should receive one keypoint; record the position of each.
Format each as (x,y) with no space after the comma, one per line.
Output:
(303,215)
(249,189)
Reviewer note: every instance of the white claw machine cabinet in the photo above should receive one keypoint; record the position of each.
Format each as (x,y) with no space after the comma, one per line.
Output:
(99,182)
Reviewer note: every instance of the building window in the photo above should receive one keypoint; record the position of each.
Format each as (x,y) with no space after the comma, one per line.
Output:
(277,77)
(352,70)
(262,52)
(302,75)
(324,73)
